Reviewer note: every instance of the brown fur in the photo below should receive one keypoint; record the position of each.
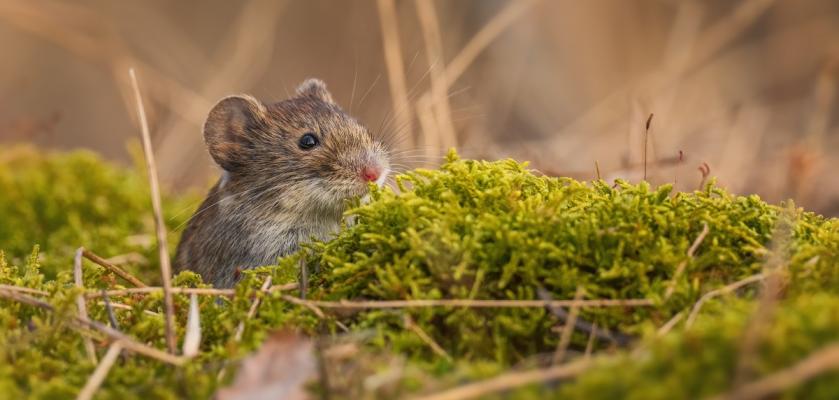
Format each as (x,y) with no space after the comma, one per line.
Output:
(273,195)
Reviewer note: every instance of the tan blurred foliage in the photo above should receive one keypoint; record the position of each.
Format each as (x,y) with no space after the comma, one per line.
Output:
(748,87)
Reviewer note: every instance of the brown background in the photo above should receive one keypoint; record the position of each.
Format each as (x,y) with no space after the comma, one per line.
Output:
(748,87)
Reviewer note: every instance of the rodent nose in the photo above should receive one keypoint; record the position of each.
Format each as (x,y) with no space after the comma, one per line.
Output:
(370,174)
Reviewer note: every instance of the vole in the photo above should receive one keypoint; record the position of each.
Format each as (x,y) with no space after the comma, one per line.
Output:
(288,169)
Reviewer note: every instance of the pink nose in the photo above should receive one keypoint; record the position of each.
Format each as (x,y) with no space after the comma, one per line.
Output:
(370,174)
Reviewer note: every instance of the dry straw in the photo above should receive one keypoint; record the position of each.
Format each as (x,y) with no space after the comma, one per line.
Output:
(511,380)
(160,226)
(101,372)
(80,303)
(113,268)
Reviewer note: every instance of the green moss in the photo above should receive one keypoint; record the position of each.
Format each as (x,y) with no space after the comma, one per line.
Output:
(63,201)
(701,362)
(480,230)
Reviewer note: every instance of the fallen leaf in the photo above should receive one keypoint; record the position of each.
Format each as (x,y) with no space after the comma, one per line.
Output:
(280,369)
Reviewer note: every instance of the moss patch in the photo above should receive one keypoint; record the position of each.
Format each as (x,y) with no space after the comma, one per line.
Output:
(476,230)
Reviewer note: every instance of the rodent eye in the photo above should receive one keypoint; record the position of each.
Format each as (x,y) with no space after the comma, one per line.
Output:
(308,141)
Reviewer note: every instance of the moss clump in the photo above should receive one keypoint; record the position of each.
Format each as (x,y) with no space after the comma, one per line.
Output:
(63,201)
(702,361)
(478,230)
(484,230)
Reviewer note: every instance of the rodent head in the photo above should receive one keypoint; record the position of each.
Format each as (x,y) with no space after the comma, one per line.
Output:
(305,150)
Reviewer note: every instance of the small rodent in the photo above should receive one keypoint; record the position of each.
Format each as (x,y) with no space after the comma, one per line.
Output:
(288,170)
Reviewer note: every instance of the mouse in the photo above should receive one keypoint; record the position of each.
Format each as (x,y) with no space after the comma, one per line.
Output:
(288,170)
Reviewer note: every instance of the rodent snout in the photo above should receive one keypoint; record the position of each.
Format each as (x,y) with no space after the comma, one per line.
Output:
(371,173)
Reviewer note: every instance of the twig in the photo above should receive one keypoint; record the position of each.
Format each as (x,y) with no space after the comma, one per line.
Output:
(819,362)
(468,303)
(186,290)
(101,372)
(597,169)
(22,289)
(160,227)
(111,317)
(582,325)
(568,329)
(668,326)
(157,289)
(133,345)
(240,330)
(510,380)
(127,341)
(127,307)
(591,338)
(312,305)
(723,290)
(410,324)
(113,268)
(681,268)
(304,278)
(80,303)
(23,298)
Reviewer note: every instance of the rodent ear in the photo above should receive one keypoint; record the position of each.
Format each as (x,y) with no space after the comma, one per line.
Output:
(315,88)
(226,130)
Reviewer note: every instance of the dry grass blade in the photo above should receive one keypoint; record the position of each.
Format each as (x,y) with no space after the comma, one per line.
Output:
(395,67)
(497,25)
(156,289)
(131,344)
(192,338)
(591,339)
(723,290)
(120,306)
(681,268)
(312,305)
(817,363)
(21,289)
(410,324)
(568,329)
(80,303)
(240,330)
(304,278)
(510,380)
(761,319)
(113,268)
(185,290)
(453,70)
(670,324)
(468,303)
(100,373)
(439,82)
(160,227)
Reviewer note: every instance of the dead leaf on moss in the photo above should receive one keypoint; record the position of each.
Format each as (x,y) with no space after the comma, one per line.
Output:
(280,369)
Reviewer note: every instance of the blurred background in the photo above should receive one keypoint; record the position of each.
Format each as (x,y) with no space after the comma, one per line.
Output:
(746,90)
